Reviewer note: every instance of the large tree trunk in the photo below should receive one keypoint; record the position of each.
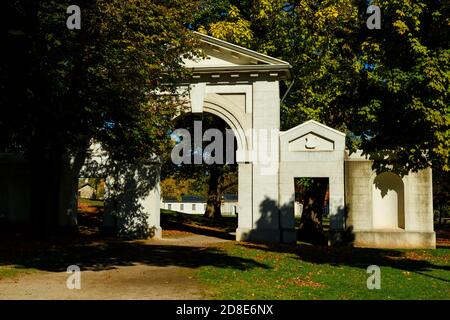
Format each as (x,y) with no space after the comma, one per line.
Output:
(311,220)
(45,163)
(213,203)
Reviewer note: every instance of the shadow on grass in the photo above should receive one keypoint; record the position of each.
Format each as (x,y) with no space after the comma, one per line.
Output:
(169,225)
(219,228)
(105,255)
(357,257)
(91,218)
(92,249)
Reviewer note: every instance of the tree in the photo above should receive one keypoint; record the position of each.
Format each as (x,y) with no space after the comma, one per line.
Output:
(403,114)
(62,88)
(314,197)
(176,187)
(378,86)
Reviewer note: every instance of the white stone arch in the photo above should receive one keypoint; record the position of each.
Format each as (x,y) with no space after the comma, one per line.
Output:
(232,115)
(387,191)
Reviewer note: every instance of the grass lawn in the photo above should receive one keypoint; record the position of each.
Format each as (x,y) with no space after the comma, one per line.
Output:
(89,202)
(307,272)
(10,271)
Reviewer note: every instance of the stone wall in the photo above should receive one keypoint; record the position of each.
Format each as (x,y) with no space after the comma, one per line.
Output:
(365,216)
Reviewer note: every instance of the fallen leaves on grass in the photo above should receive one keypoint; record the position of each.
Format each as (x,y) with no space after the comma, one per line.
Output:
(411,255)
(299,281)
(443,242)
(416,256)
(304,281)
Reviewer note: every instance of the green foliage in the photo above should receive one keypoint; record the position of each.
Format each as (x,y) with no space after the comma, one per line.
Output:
(406,101)
(387,89)
(63,88)
(175,187)
(304,183)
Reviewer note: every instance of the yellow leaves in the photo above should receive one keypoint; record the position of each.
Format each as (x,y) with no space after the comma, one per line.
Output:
(237,32)
(357,65)
(264,8)
(400,13)
(400,26)
(234,12)
(235,29)
(304,281)
(374,47)
(331,12)
(202,29)
(417,47)
(328,12)
(325,16)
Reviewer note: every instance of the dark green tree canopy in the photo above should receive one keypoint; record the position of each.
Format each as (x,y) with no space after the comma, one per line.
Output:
(112,81)
(62,87)
(388,89)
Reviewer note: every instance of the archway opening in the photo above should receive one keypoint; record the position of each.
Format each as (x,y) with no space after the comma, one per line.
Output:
(388,202)
(199,180)
(90,204)
(311,209)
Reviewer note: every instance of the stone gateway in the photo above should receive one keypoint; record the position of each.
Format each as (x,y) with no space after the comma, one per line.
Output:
(242,87)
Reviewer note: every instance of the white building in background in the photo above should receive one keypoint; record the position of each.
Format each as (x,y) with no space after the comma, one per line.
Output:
(298,209)
(86,191)
(197,204)
(229,204)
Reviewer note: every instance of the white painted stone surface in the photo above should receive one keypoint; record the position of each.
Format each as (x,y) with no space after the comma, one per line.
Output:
(388,201)
(376,222)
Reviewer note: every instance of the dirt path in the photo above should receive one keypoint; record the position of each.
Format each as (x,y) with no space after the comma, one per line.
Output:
(136,281)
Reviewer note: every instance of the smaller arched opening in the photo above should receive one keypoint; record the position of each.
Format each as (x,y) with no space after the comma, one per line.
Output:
(388,198)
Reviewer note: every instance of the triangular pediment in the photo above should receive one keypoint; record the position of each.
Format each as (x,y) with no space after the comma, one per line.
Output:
(311,142)
(222,57)
(217,56)
(312,136)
